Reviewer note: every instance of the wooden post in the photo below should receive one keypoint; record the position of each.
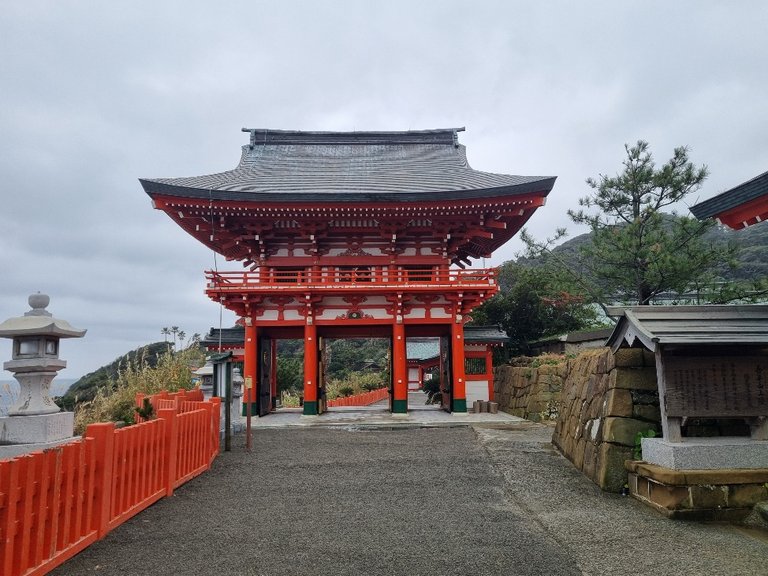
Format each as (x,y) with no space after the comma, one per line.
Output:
(310,369)
(670,426)
(459,403)
(103,435)
(171,446)
(399,370)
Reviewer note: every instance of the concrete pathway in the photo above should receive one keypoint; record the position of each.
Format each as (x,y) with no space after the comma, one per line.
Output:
(490,499)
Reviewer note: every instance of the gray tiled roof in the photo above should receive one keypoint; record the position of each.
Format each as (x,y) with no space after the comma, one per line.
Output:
(485,335)
(695,325)
(741,194)
(351,166)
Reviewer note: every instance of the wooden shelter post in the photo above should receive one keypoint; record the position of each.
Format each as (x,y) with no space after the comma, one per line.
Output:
(399,370)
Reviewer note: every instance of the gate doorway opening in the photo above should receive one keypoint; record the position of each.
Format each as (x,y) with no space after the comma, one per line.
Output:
(355,373)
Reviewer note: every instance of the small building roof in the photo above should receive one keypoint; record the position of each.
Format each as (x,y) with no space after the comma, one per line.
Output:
(229,336)
(359,167)
(738,207)
(422,348)
(654,326)
(485,335)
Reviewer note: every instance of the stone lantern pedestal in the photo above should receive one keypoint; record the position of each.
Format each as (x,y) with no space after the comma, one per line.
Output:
(35,422)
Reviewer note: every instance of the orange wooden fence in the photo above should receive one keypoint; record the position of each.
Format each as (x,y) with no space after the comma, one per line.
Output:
(55,503)
(360,399)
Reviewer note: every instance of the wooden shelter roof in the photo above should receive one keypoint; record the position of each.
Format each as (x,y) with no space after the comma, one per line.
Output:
(739,207)
(654,326)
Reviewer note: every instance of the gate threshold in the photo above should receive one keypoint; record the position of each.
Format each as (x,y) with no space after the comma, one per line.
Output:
(349,417)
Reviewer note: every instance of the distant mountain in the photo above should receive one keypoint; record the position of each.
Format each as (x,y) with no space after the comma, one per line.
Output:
(85,388)
(752,256)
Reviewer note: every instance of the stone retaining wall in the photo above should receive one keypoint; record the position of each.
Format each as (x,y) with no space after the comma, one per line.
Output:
(599,402)
(530,387)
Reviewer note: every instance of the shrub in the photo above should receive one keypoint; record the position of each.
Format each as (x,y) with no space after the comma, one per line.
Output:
(116,401)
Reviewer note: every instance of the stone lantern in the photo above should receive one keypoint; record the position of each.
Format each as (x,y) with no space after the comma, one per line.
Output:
(35,421)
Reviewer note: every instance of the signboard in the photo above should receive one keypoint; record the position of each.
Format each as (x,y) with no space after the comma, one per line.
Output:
(710,387)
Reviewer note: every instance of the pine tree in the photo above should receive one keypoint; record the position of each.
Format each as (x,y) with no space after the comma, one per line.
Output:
(637,251)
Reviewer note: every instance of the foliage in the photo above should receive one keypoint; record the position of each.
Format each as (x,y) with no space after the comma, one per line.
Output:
(290,374)
(637,452)
(116,401)
(86,388)
(355,383)
(535,302)
(636,252)
(430,385)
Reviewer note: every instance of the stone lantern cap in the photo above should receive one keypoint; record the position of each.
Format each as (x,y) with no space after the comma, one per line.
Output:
(39,322)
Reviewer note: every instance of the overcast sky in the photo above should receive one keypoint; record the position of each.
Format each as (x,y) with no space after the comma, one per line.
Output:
(94,95)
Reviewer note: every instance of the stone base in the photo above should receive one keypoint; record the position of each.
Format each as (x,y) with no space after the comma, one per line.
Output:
(12,450)
(42,428)
(698,494)
(706,453)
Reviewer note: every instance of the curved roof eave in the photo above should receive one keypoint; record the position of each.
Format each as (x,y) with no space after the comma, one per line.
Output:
(153,187)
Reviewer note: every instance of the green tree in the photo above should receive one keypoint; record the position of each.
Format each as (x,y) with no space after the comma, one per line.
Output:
(533,303)
(637,251)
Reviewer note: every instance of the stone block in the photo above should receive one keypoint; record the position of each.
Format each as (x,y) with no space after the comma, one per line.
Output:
(578,453)
(610,473)
(40,428)
(706,453)
(647,412)
(617,402)
(590,460)
(746,495)
(629,357)
(708,496)
(623,430)
(633,378)
(605,361)
(649,358)
(645,397)
(669,497)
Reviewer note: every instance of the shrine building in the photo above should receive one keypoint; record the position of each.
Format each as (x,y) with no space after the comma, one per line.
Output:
(351,235)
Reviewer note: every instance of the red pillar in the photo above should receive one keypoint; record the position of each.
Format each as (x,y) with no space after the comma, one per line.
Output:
(459,400)
(250,364)
(399,370)
(310,370)
(489,370)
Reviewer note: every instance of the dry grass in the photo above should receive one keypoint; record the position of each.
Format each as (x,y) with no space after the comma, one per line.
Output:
(116,401)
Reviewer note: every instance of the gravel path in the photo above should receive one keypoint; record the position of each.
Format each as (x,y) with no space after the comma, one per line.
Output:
(413,501)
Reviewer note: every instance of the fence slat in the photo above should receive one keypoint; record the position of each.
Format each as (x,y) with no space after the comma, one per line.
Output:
(55,503)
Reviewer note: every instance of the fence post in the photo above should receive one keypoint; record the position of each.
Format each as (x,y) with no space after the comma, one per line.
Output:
(171,446)
(216,425)
(103,435)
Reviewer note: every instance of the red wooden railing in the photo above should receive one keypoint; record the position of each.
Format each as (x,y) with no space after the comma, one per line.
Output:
(55,503)
(360,276)
(360,399)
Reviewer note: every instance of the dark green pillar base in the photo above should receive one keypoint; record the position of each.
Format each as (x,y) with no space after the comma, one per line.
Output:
(254,409)
(399,406)
(459,405)
(310,408)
